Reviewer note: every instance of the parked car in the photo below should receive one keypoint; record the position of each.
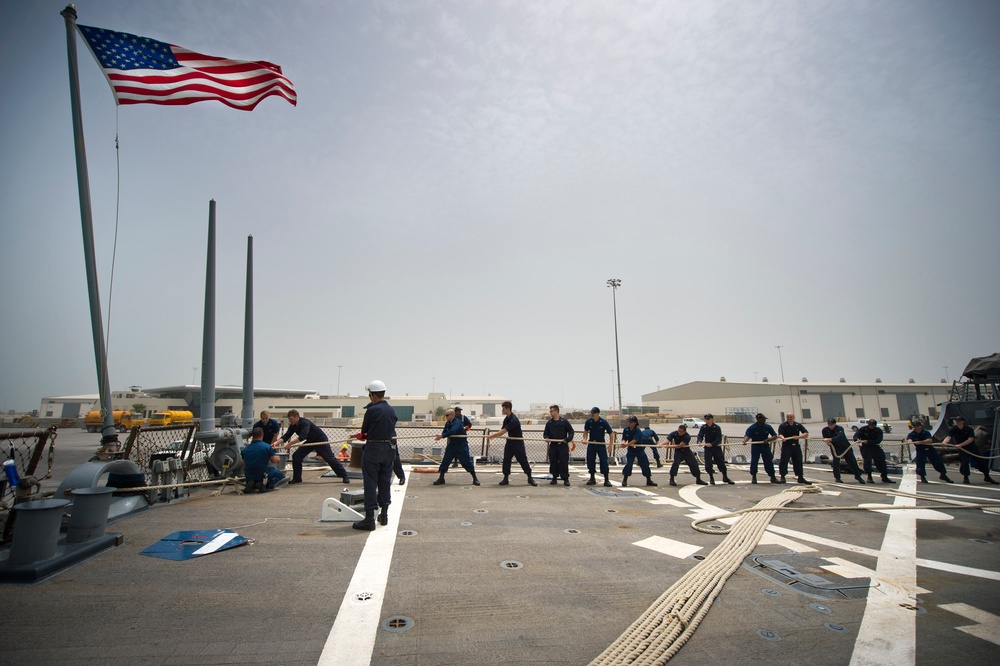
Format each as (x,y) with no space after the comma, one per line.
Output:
(693,423)
(862,423)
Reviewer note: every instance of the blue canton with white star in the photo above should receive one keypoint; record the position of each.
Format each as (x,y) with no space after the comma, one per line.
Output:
(120,50)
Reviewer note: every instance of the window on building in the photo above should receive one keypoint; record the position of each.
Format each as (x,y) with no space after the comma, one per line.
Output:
(885,412)
(48,415)
(807,414)
(859,412)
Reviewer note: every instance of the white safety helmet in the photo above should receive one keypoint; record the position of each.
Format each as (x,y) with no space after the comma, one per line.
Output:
(376,386)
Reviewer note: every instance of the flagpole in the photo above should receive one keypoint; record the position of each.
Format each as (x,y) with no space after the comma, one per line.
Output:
(109,438)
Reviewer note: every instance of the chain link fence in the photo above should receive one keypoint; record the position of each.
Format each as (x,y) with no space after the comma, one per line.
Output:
(27,450)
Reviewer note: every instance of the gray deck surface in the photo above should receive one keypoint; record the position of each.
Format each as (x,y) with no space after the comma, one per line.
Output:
(276,600)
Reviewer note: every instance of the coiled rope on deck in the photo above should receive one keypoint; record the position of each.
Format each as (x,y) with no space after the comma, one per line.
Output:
(663,629)
(666,625)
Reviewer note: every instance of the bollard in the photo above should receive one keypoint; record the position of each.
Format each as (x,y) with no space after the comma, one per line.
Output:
(36,531)
(89,518)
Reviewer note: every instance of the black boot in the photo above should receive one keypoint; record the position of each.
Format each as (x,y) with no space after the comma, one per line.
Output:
(711,480)
(565,482)
(475,479)
(592,481)
(870,479)
(607,482)
(886,479)
(753,478)
(699,482)
(837,479)
(774,479)
(728,480)
(672,482)
(965,479)
(346,479)
(944,477)
(383,516)
(650,482)
(505,481)
(368,524)
(782,479)
(800,479)
(861,479)
(990,479)
(440,480)
(624,481)
(554,481)
(531,481)
(923,479)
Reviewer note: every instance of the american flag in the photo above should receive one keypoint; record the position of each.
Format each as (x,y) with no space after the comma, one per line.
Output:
(144,71)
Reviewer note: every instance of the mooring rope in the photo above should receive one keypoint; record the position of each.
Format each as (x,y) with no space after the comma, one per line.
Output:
(665,627)
(660,632)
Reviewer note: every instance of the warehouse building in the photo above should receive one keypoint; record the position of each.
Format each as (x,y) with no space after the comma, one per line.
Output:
(739,401)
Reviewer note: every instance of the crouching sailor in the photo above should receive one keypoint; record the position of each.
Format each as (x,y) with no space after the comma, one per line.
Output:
(256,456)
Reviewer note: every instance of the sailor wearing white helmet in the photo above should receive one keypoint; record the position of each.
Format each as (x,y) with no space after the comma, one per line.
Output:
(378,429)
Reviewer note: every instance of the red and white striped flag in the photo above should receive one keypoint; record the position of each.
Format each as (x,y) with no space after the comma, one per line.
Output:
(144,71)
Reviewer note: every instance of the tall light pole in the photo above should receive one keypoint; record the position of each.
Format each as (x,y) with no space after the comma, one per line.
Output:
(780,364)
(338,378)
(614,283)
(946,377)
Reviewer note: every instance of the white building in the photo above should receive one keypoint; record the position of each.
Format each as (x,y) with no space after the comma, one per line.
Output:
(808,401)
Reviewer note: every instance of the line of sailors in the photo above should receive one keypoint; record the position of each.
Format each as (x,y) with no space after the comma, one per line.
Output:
(381,453)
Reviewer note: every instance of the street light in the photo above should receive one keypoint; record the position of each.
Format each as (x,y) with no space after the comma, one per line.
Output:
(338,378)
(780,364)
(614,283)
(946,377)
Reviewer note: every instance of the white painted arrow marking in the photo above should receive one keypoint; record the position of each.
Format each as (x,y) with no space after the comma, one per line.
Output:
(988,624)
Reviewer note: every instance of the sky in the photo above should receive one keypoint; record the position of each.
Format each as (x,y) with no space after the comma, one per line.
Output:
(459,180)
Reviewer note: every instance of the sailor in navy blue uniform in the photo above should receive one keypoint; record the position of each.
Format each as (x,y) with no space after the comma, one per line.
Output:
(962,436)
(514,448)
(790,432)
(597,450)
(834,435)
(924,442)
(636,450)
(304,430)
(458,447)
(466,423)
(558,433)
(870,437)
(270,426)
(256,455)
(680,442)
(711,435)
(760,435)
(378,429)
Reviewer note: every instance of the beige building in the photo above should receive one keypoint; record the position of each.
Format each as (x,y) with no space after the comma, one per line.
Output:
(312,405)
(808,401)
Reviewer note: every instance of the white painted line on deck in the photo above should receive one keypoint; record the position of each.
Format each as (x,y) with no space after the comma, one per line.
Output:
(919,514)
(660,499)
(861,550)
(677,549)
(888,632)
(847,569)
(352,637)
(769,539)
(987,625)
